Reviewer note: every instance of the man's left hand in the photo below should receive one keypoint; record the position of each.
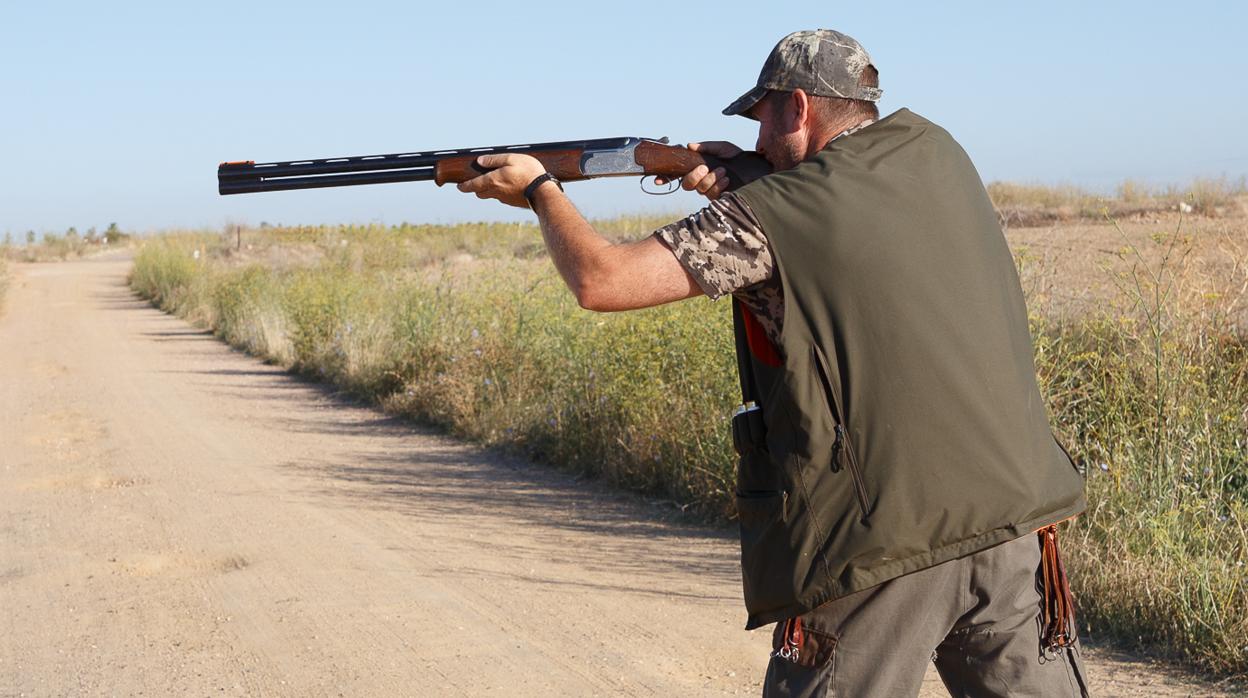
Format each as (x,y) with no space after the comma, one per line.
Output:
(509,174)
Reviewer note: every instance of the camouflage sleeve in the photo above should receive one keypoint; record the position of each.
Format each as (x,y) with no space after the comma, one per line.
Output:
(722,247)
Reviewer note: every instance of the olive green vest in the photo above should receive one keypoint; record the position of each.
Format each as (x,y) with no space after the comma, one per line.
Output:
(904,427)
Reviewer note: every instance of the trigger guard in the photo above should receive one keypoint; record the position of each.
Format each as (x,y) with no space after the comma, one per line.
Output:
(673,186)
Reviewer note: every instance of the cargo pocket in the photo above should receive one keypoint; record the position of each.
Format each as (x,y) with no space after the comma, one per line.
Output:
(759,510)
(762,513)
(766,556)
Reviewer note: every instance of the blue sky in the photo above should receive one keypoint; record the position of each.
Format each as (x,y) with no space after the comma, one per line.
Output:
(121,111)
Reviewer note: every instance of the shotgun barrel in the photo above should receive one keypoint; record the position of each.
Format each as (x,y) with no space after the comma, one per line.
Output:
(248,176)
(566,160)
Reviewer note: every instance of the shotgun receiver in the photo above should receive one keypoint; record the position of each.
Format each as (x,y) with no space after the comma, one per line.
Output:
(569,161)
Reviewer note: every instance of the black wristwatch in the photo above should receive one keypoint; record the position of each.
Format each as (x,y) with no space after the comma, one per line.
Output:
(530,190)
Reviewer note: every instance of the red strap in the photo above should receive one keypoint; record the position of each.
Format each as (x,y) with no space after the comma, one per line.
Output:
(760,345)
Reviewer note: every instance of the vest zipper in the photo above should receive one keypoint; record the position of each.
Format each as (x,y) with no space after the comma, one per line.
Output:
(842,444)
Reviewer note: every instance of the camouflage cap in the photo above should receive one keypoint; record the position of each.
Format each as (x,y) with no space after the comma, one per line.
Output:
(821,62)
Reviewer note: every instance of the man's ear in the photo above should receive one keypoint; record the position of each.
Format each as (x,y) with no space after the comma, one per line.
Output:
(798,112)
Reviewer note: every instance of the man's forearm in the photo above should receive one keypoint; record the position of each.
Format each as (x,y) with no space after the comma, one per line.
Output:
(603,275)
(575,247)
(608,276)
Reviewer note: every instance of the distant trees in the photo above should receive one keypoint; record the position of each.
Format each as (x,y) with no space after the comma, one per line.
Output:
(71,243)
(113,234)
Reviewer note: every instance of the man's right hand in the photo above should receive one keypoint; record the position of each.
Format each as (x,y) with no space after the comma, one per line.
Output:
(702,179)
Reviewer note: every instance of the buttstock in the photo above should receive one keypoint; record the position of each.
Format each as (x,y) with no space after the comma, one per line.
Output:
(565,165)
(675,161)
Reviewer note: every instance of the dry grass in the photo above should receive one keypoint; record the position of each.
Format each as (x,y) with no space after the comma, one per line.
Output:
(1138,328)
(1073,271)
(1028,206)
(1146,373)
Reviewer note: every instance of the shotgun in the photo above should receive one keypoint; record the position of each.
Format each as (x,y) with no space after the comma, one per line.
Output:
(569,161)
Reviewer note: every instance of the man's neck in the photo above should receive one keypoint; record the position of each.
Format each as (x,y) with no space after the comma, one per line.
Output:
(840,129)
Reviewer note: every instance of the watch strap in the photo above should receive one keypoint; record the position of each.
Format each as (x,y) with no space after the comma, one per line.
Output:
(530,190)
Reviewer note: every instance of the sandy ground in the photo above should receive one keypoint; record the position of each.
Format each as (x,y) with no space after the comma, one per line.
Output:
(179,519)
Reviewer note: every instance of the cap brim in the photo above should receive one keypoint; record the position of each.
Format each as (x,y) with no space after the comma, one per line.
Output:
(745,102)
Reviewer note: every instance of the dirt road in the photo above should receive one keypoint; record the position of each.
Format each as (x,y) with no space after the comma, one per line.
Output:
(177,518)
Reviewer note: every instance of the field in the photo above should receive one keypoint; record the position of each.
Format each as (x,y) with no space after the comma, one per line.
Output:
(1138,323)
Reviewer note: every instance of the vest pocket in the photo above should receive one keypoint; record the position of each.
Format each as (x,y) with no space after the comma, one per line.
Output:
(766,549)
(767,558)
(843,456)
(758,510)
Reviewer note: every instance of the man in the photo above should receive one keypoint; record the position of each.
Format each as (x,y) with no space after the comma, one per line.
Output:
(899,459)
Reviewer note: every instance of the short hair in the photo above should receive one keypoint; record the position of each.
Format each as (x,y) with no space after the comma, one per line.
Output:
(829,110)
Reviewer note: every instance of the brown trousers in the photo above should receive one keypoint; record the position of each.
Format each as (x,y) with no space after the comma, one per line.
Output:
(976,617)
